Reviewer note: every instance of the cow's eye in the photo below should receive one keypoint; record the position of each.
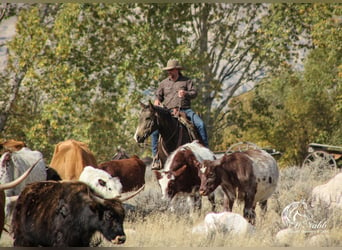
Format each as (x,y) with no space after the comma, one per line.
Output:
(108,216)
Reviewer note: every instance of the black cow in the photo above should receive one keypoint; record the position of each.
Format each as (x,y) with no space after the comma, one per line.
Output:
(61,214)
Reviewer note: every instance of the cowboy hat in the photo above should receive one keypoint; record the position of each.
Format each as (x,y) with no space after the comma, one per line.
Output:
(172,64)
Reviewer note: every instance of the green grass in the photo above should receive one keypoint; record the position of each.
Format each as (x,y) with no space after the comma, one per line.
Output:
(153,225)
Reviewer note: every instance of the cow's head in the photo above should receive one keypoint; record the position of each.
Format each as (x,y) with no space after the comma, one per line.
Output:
(108,186)
(101,182)
(179,174)
(208,175)
(112,215)
(168,181)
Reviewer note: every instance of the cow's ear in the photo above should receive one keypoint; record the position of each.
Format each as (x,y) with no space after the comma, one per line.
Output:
(179,171)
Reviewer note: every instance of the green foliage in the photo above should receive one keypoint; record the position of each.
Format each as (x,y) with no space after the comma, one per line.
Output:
(86,66)
(292,110)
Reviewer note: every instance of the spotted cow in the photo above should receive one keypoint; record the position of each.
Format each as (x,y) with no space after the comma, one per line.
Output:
(252,175)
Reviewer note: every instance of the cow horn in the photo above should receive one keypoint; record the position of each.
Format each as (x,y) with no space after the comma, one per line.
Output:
(122,199)
(17,181)
(101,200)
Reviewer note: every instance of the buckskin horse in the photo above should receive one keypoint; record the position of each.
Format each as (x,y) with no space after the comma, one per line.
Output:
(173,132)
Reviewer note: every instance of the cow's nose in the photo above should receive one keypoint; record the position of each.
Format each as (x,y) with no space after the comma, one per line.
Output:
(202,192)
(120,239)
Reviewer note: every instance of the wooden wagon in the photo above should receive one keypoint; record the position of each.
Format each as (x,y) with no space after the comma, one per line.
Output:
(323,155)
(245,145)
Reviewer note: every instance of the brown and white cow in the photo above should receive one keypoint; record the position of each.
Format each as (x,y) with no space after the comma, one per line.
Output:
(131,172)
(180,175)
(65,214)
(70,157)
(252,175)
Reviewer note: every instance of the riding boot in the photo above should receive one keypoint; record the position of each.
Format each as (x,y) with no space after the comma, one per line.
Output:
(156,164)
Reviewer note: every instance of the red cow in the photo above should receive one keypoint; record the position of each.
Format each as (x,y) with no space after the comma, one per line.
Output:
(180,174)
(131,172)
(70,157)
(252,174)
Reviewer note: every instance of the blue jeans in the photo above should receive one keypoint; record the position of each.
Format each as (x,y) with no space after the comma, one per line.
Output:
(154,142)
(195,119)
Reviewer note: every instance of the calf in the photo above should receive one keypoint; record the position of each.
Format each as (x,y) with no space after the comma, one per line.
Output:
(180,175)
(62,214)
(101,182)
(131,172)
(329,194)
(252,175)
(225,222)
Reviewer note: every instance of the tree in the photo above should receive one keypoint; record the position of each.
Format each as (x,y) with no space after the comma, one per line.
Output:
(295,108)
(13,81)
(86,65)
(71,83)
(223,46)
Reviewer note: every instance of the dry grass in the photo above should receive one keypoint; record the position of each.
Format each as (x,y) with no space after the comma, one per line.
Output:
(153,225)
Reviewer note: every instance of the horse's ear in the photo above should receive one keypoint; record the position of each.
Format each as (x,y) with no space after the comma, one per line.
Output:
(142,105)
(150,104)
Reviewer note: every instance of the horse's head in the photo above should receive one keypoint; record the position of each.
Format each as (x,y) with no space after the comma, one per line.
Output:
(147,122)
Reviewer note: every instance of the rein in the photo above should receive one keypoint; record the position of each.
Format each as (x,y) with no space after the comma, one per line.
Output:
(180,136)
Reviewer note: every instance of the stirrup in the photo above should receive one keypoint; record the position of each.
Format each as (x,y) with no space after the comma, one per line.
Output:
(156,164)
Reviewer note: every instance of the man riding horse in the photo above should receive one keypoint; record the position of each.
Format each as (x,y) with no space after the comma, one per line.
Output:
(175,93)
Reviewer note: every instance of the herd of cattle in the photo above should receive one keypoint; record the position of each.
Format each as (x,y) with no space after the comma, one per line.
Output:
(80,196)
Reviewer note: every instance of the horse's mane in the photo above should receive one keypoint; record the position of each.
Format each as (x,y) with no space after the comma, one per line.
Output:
(164,112)
(161,109)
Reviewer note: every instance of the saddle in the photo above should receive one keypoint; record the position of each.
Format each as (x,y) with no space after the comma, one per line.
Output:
(181,116)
